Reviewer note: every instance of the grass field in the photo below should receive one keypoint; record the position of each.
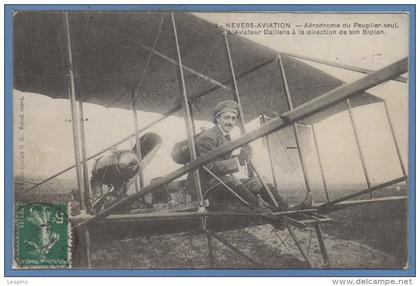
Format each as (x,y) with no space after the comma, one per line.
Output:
(366,236)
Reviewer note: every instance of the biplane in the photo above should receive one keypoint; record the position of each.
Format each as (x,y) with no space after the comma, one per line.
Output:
(178,64)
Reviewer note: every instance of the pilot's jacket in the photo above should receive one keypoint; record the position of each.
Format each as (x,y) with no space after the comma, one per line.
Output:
(223,166)
(210,140)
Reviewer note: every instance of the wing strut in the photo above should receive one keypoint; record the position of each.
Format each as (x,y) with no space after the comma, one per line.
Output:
(295,127)
(299,246)
(302,111)
(321,168)
(270,153)
(342,66)
(74,120)
(359,146)
(322,246)
(394,138)
(235,93)
(75,125)
(136,94)
(140,179)
(86,183)
(251,167)
(187,113)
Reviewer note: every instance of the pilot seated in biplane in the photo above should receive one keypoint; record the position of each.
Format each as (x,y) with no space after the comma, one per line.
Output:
(218,182)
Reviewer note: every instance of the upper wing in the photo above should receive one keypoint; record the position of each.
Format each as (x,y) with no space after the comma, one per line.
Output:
(112,50)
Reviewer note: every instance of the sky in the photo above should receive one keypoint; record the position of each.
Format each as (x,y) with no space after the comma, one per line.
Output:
(48,142)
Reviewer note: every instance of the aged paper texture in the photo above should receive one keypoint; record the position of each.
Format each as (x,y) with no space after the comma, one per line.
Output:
(304,167)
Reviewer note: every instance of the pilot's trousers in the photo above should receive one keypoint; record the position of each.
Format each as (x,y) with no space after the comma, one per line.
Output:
(247,189)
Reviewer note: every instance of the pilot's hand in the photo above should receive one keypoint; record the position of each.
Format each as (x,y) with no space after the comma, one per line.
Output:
(245,154)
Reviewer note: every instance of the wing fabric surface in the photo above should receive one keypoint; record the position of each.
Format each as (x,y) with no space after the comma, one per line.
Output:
(110,53)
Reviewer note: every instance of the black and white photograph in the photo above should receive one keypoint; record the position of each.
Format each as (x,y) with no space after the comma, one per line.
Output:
(210,140)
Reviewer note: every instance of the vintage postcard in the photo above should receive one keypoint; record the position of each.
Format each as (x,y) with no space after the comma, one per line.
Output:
(265,140)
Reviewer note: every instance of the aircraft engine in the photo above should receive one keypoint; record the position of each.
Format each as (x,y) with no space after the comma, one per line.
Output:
(116,169)
(111,174)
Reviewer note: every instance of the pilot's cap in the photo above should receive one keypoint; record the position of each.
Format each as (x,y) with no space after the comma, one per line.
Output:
(225,106)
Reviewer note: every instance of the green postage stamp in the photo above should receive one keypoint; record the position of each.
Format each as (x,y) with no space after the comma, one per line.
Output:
(42,235)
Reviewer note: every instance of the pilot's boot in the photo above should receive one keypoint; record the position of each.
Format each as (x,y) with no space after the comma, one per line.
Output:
(278,196)
(307,203)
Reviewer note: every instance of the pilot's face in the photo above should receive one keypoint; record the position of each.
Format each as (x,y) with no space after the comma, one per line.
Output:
(227,121)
